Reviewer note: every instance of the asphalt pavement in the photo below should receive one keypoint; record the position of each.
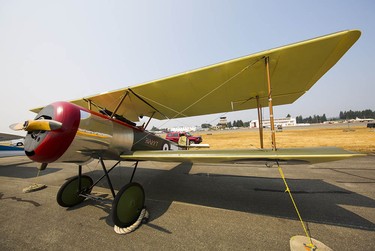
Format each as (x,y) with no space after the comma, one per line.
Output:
(193,207)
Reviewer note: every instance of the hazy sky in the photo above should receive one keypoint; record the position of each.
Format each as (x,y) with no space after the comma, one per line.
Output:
(63,50)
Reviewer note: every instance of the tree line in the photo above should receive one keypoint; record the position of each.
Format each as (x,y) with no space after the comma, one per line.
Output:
(342,116)
(311,119)
(365,114)
(235,123)
(238,123)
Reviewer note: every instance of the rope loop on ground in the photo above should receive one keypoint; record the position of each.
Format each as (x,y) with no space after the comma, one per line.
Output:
(143,218)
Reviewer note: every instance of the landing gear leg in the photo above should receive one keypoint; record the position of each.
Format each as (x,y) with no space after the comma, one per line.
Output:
(70,192)
(128,208)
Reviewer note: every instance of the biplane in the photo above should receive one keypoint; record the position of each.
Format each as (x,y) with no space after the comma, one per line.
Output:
(103,126)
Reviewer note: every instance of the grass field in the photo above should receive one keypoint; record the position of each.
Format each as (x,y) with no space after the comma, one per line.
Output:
(358,138)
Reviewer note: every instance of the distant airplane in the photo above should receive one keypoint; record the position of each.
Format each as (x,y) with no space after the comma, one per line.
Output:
(363,120)
(101,126)
(8,151)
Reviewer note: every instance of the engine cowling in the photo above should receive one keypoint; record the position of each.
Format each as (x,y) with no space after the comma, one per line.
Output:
(48,146)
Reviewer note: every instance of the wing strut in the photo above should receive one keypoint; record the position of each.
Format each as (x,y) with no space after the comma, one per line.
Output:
(89,104)
(149,120)
(144,101)
(119,104)
(272,121)
(260,120)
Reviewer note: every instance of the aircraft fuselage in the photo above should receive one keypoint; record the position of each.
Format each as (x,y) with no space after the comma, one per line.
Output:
(85,135)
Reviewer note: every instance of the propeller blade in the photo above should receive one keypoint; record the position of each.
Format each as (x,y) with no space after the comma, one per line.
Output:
(16,126)
(37,125)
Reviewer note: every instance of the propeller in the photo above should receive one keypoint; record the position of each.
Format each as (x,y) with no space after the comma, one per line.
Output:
(37,125)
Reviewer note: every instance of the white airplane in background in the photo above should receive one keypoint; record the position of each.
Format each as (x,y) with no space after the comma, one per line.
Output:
(10,150)
(363,120)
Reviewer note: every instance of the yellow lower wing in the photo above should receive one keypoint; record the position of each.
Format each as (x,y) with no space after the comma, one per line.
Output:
(289,155)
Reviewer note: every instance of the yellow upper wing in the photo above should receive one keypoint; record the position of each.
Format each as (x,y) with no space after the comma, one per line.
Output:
(232,85)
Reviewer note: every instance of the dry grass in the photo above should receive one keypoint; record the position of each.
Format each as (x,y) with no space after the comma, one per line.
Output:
(358,139)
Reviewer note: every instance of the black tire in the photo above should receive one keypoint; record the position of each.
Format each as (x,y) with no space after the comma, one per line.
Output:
(128,205)
(166,147)
(68,194)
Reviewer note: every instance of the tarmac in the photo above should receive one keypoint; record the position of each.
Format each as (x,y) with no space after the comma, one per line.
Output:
(193,207)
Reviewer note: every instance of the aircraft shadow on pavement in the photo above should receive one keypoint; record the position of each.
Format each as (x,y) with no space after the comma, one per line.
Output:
(317,200)
(24,170)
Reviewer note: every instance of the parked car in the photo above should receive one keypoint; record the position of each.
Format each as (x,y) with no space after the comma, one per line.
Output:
(175,136)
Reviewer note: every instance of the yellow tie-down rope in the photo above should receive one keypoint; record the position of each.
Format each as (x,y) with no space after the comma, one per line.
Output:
(311,246)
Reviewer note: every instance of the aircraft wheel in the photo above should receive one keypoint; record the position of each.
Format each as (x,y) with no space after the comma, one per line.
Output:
(166,147)
(128,205)
(68,194)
